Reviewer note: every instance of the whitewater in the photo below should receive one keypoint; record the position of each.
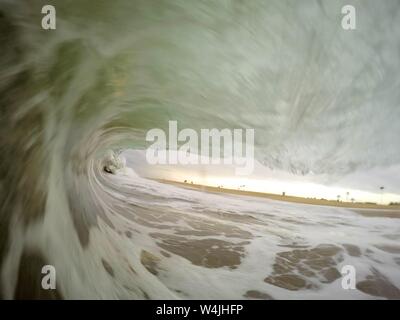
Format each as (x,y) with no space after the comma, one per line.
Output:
(73,100)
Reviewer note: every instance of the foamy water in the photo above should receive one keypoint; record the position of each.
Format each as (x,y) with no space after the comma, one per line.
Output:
(322,101)
(223,246)
(199,245)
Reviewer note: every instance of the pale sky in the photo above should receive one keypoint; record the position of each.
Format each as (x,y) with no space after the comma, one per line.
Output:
(362,186)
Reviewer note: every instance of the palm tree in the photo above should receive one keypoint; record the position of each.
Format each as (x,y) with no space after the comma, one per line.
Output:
(382,188)
(347,196)
(338,197)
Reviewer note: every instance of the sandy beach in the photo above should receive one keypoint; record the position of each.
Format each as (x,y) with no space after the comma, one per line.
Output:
(365,209)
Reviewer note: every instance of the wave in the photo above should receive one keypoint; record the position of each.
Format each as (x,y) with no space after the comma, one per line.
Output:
(110,73)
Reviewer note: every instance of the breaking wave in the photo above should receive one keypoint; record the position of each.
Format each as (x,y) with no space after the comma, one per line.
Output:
(320,100)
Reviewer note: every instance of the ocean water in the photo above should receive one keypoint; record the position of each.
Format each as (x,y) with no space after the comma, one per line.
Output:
(321,100)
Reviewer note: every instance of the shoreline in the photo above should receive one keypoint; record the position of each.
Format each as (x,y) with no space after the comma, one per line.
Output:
(287,198)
